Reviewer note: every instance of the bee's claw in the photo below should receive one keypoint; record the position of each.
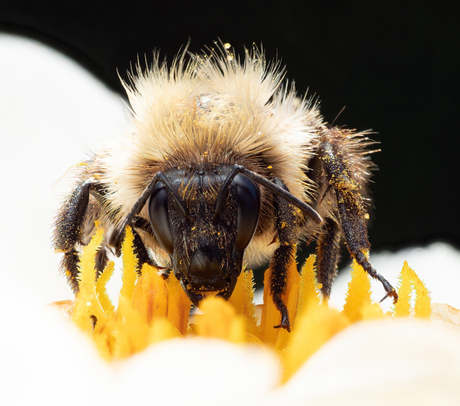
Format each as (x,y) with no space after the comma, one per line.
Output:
(284,323)
(391,293)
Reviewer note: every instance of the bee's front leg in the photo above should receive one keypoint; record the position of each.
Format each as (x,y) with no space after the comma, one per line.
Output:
(75,224)
(284,255)
(139,247)
(69,230)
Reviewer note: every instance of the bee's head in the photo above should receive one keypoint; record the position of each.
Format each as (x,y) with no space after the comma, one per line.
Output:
(205,218)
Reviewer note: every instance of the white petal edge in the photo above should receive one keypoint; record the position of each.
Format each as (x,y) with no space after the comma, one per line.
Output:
(385,362)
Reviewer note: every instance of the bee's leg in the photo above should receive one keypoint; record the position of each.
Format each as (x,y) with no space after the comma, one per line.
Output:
(102,258)
(68,232)
(141,252)
(139,248)
(69,267)
(287,229)
(328,255)
(344,169)
(329,234)
(73,223)
(353,224)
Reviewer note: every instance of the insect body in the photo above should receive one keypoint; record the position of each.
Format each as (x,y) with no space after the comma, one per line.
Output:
(223,160)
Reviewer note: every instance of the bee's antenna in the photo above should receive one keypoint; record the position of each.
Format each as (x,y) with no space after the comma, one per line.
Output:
(115,238)
(307,209)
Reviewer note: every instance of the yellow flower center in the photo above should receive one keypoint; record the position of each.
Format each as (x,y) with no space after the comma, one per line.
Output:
(151,309)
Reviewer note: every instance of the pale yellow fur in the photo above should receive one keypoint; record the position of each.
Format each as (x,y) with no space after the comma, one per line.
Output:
(213,108)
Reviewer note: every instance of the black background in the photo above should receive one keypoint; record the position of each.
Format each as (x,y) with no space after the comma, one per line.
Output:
(395,68)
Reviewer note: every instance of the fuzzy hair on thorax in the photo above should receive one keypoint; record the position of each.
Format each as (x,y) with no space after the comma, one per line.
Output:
(214,108)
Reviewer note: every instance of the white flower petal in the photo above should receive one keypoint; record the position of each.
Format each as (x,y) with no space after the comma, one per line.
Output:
(43,357)
(386,362)
(52,113)
(198,371)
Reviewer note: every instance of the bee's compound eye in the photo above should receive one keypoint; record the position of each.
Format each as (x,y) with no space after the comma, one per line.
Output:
(248,210)
(159,219)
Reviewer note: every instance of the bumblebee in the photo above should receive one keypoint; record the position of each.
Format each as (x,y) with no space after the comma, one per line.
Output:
(224,165)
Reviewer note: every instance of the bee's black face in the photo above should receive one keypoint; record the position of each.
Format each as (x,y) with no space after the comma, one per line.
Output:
(210,271)
(206,248)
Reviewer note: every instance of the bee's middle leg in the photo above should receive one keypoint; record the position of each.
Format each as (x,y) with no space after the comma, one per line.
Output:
(287,229)
(328,255)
